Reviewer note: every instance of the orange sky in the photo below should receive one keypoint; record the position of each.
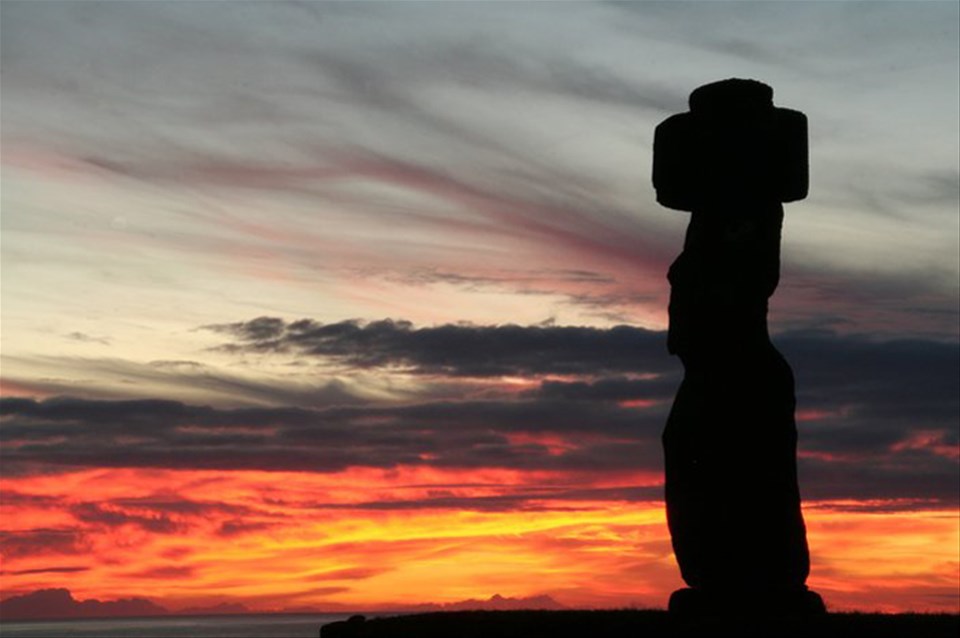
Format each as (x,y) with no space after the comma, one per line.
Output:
(273,540)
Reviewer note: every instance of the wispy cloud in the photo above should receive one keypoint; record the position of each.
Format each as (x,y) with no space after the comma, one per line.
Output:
(460,350)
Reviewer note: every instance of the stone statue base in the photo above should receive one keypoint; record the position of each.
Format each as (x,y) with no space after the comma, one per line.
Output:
(699,603)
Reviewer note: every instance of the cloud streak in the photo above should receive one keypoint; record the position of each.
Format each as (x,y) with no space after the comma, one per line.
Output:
(459,350)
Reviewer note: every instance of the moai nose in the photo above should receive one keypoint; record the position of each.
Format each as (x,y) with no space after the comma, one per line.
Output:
(733,147)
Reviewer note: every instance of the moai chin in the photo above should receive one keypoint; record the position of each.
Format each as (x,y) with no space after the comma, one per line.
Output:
(733,501)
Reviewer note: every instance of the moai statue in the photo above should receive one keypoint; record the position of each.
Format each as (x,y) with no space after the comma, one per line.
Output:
(733,502)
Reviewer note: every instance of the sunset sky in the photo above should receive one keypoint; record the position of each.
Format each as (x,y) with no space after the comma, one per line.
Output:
(362,304)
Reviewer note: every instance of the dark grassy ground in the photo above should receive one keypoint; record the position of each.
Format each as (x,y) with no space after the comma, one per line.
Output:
(642,624)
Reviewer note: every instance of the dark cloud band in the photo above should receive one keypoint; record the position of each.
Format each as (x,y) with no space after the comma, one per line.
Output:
(459,350)
(877,419)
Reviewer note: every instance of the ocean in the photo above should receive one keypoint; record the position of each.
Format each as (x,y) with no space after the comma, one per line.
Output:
(253,626)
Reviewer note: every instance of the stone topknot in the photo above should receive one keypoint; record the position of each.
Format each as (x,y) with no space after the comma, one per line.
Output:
(731,96)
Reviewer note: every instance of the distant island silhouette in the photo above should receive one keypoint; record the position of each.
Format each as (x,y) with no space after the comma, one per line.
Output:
(59,603)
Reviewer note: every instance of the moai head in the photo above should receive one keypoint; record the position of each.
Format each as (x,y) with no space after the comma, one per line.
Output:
(734,147)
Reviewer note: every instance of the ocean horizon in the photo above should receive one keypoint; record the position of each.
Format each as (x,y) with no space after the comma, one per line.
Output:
(279,625)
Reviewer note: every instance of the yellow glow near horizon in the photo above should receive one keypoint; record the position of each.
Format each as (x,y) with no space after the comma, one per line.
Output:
(348,540)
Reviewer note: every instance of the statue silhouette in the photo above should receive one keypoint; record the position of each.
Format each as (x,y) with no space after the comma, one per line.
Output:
(733,501)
